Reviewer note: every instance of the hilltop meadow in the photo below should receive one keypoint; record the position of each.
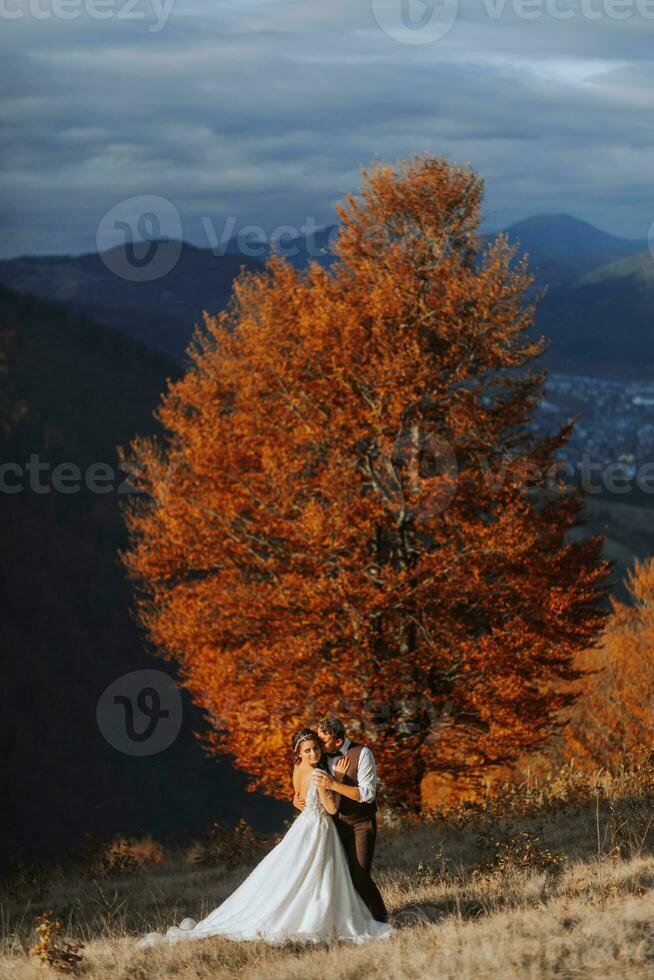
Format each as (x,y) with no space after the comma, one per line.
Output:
(549,880)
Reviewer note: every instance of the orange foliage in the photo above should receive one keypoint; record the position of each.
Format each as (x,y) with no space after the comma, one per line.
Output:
(615,715)
(323,527)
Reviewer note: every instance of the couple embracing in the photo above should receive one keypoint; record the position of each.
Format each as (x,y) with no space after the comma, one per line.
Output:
(315,885)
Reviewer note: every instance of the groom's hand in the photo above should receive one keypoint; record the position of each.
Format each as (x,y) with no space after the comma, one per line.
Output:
(341,767)
(298,802)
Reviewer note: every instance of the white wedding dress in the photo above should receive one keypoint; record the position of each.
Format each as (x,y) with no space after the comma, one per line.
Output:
(301,890)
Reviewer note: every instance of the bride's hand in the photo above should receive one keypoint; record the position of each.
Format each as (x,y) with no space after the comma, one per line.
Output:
(341,767)
(322,779)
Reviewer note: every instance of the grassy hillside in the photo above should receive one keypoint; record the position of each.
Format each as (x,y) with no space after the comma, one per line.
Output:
(545,883)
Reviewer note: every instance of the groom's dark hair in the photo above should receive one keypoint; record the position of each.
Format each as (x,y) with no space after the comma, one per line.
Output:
(332,726)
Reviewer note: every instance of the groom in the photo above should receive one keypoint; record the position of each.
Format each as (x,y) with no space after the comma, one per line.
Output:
(353,776)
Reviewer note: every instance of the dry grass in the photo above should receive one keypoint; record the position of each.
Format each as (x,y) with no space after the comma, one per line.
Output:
(535,885)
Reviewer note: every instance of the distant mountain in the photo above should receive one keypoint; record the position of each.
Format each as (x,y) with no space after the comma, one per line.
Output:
(637,269)
(113,290)
(599,324)
(558,245)
(562,248)
(70,392)
(598,309)
(560,236)
(603,320)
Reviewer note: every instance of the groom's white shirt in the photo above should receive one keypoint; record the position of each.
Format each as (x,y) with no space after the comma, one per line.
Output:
(367,773)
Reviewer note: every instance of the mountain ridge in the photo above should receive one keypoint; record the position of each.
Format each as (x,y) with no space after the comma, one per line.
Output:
(584,268)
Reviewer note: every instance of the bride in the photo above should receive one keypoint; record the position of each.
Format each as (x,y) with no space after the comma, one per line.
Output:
(302,889)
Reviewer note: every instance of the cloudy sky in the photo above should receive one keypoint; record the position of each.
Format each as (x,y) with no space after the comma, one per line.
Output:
(238,112)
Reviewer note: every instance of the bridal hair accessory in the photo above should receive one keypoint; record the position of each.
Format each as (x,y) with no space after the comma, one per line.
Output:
(301,736)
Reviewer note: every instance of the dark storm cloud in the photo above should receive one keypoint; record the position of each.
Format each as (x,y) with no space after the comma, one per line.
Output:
(264,110)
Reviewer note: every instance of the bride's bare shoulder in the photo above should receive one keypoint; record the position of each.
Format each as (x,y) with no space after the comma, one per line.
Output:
(300,781)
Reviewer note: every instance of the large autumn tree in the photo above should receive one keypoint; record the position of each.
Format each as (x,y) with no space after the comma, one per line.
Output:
(346,511)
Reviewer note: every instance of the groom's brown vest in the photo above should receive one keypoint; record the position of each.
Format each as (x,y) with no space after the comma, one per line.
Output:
(349,810)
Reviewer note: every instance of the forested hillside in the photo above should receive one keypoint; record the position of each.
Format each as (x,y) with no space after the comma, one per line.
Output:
(70,391)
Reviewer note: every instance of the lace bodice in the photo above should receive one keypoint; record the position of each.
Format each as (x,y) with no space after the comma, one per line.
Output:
(313,804)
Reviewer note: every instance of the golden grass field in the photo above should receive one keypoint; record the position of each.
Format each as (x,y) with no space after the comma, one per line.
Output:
(557,884)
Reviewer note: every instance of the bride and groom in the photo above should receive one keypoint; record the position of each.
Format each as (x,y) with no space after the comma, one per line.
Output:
(315,884)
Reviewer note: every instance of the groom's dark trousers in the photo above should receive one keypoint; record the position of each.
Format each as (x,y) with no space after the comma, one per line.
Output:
(357,827)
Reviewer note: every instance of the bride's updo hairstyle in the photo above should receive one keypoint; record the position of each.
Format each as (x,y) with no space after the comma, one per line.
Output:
(301,735)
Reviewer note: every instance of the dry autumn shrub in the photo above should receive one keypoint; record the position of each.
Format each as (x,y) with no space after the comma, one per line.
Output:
(126,856)
(52,949)
(621,802)
(228,847)
(519,852)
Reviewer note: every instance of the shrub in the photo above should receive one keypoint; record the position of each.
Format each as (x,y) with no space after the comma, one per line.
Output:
(522,852)
(123,856)
(228,847)
(52,949)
